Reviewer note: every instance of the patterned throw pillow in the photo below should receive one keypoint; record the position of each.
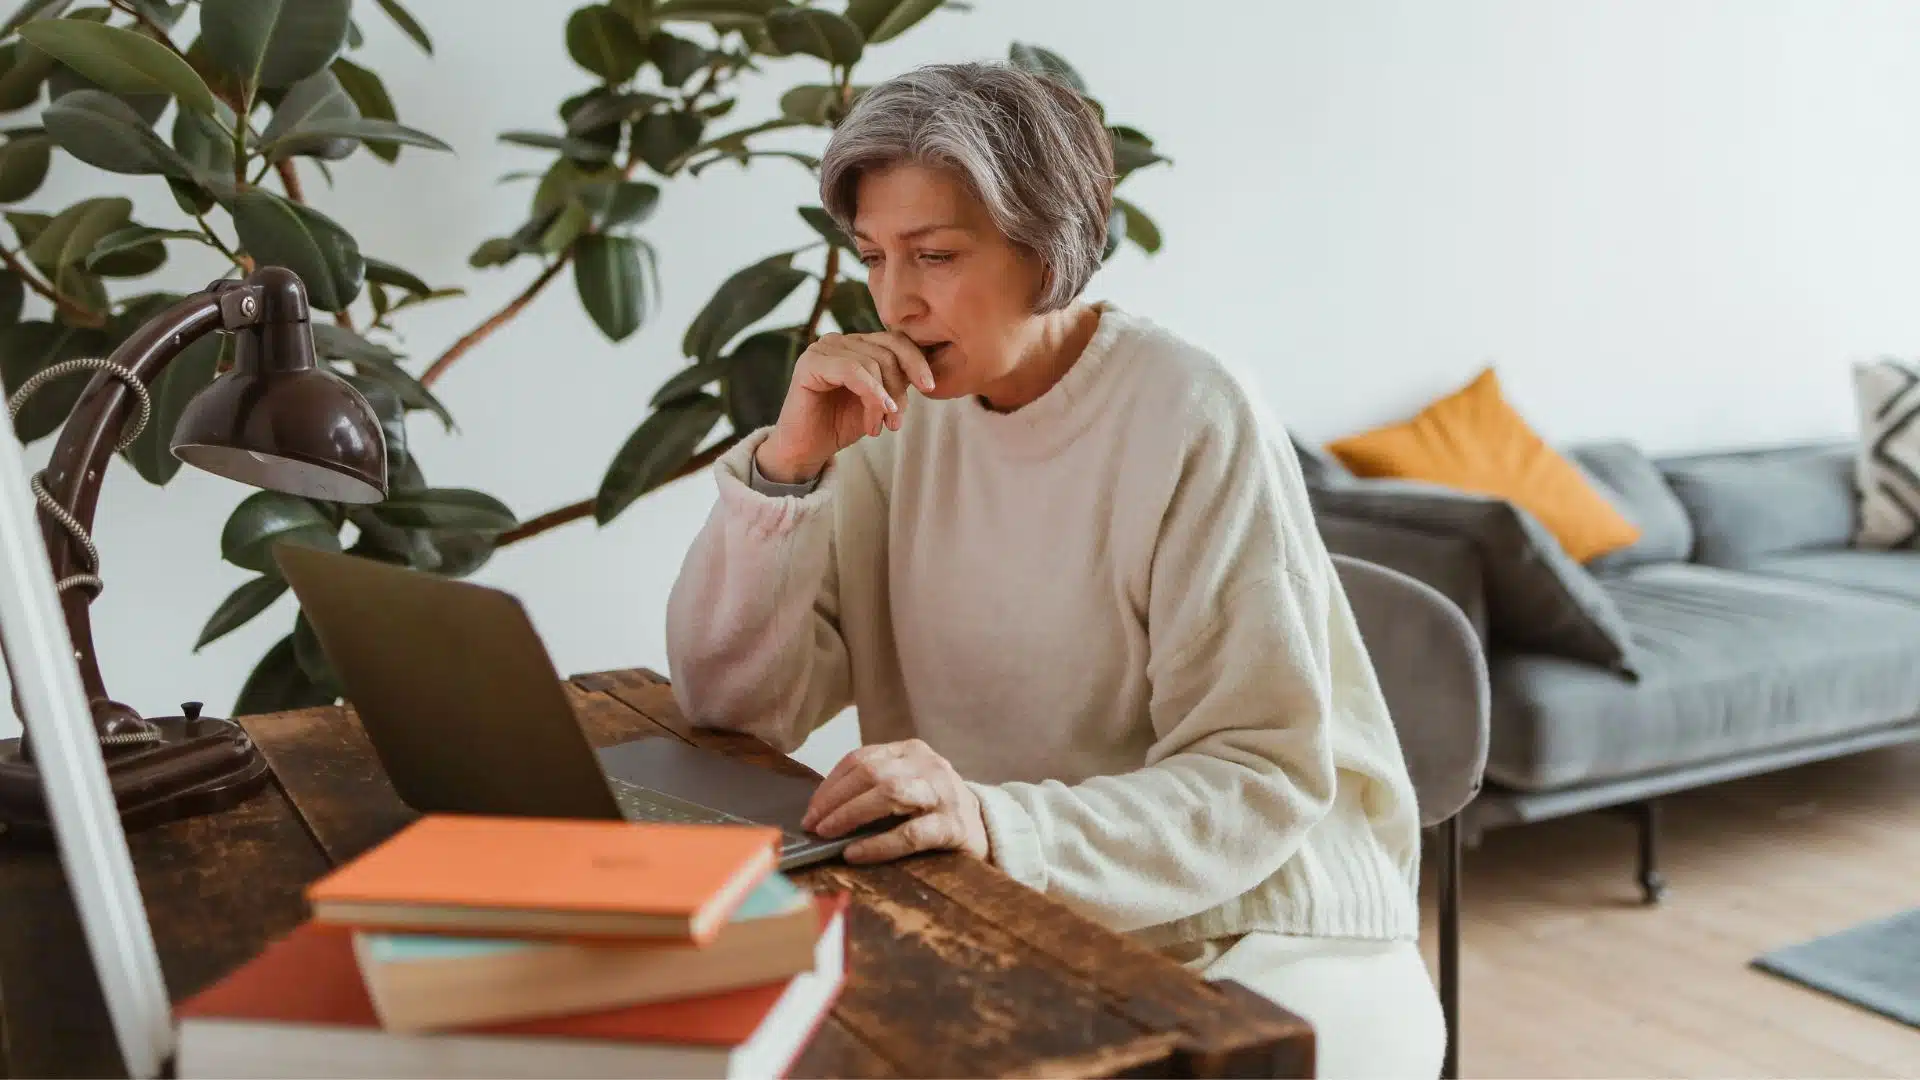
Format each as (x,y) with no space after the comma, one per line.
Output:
(1886,393)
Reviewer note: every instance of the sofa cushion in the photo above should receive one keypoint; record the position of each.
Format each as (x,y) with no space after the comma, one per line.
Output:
(1632,483)
(1538,598)
(1890,575)
(1747,505)
(1729,662)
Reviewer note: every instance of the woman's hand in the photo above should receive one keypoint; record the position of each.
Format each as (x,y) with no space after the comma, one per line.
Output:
(845,387)
(905,778)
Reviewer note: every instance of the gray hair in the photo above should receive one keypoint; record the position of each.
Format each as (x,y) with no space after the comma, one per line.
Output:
(1032,150)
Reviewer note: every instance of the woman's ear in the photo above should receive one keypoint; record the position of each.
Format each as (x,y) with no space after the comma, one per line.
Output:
(1045,285)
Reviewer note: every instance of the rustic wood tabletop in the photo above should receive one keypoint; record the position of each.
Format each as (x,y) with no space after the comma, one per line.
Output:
(954,969)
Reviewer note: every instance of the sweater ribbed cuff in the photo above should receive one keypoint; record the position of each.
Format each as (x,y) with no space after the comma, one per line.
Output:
(767,487)
(764,512)
(1014,842)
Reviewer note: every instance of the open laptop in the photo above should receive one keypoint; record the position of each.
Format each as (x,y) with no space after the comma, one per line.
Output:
(467,714)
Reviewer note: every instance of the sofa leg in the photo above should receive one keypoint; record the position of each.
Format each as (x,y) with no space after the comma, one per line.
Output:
(1653,884)
(1450,943)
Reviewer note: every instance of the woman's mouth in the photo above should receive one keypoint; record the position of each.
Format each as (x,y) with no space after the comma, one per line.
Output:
(934,351)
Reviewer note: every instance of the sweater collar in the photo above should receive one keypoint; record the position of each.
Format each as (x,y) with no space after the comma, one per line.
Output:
(1051,420)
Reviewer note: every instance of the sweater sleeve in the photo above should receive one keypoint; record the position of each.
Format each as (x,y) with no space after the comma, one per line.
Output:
(1241,764)
(753,633)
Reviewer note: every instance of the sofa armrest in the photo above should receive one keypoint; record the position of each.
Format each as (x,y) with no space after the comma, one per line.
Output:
(1448,563)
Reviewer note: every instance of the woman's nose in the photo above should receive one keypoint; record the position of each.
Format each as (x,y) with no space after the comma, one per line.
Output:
(896,296)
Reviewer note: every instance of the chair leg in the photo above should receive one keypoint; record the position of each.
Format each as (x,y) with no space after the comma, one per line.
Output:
(1653,884)
(1450,943)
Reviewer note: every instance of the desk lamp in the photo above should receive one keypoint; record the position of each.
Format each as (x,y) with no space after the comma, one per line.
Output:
(277,419)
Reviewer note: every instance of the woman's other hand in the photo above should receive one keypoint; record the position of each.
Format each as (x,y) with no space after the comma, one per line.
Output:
(845,387)
(905,778)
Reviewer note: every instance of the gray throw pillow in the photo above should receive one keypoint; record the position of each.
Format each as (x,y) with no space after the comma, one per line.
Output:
(1538,598)
(1748,506)
(1626,477)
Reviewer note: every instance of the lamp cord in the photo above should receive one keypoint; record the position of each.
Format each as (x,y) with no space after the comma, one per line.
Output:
(90,579)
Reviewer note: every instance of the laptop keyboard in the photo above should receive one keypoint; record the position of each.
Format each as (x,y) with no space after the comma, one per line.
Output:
(645,804)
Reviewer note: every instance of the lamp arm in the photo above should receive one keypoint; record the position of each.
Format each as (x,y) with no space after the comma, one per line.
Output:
(69,487)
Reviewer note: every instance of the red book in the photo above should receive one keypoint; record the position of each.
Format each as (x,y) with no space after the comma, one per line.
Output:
(300,1009)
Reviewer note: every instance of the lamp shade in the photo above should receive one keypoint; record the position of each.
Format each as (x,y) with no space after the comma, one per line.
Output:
(278,419)
(301,432)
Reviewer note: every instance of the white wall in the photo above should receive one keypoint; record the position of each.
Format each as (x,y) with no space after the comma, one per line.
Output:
(1668,219)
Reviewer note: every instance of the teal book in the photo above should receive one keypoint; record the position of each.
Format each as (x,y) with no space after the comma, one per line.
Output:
(427,982)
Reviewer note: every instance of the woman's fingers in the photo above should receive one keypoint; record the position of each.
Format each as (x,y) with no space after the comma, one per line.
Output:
(882,362)
(927,832)
(854,773)
(905,795)
(912,361)
(860,374)
(892,394)
(888,360)
(880,405)
(878,368)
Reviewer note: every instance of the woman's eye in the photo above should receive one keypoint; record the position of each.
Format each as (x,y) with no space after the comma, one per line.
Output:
(936,257)
(869,260)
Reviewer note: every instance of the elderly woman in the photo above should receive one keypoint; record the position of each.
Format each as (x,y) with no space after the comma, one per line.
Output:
(1064,565)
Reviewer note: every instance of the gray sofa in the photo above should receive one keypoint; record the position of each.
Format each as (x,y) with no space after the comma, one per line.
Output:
(1742,633)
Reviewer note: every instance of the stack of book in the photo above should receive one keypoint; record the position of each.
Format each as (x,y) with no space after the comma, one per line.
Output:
(491,946)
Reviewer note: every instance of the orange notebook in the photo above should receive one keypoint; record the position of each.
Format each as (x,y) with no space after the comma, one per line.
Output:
(300,1008)
(548,877)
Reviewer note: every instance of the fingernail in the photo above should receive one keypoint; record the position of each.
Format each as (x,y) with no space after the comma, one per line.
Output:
(892,406)
(926,382)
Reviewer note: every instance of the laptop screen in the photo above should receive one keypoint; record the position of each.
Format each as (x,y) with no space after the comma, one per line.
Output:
(93,848)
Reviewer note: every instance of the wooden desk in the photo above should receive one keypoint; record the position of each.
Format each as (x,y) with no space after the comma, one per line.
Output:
(954,969)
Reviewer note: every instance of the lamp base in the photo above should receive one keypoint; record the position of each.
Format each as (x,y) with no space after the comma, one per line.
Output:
(199,765)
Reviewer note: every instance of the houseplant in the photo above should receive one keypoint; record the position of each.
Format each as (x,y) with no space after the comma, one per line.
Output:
(268,93)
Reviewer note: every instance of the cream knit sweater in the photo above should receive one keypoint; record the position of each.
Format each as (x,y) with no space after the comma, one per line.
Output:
(1111,611)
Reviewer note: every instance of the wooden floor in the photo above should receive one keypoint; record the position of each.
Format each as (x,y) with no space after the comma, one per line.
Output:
(1566,974)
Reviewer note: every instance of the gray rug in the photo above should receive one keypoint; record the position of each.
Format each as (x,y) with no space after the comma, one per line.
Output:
(1875,965)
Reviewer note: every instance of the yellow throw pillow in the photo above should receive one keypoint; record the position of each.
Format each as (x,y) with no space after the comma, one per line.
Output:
(1473,440)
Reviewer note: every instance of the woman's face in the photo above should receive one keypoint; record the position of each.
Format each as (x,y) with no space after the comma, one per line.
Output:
(945,276)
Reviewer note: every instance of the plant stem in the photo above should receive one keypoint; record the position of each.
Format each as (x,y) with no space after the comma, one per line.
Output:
(516,305)
(828,275)
(584,508)
(157,30)
(493,322)
(245,264)
(241,105)
(553,519)
(496,320)
(291,179)
(76,312)
(240,150)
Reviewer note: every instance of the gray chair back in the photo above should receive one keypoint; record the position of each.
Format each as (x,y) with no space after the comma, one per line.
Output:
(1434,676)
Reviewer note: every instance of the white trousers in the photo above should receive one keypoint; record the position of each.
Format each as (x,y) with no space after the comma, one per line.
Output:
(1373,1006)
